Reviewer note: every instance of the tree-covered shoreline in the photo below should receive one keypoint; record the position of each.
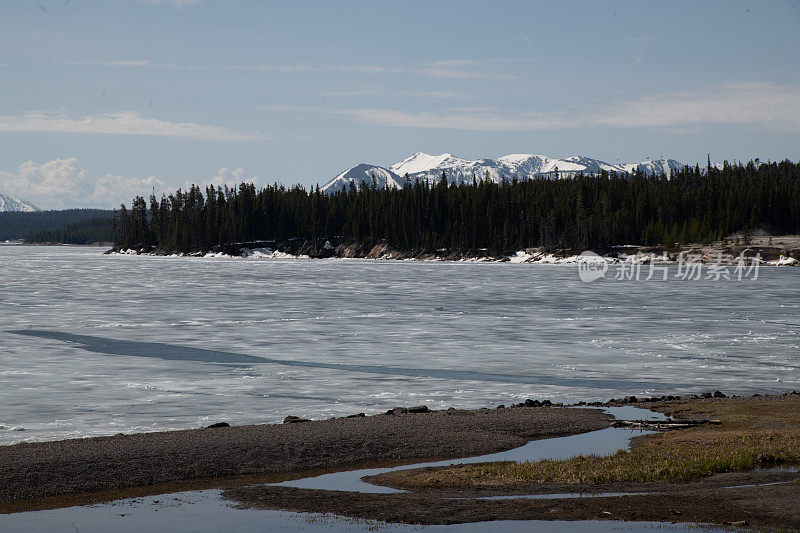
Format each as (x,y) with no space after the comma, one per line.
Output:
(68,226)
(595,211)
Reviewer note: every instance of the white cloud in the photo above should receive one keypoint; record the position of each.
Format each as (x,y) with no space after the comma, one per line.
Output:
(113,189)
(765,105)
(62,183)
(121,123)
(226,177)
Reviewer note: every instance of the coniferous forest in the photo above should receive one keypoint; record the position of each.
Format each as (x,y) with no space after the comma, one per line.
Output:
(693,205)
(70,226)
(88,231)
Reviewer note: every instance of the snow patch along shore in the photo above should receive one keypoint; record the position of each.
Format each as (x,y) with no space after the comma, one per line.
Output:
(530,256)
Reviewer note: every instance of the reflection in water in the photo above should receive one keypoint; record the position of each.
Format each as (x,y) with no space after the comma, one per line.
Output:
(602,442)
(204,512)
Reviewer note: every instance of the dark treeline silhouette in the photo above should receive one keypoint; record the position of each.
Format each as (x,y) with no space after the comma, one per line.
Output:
(693,205)
(89,231)
(15,225)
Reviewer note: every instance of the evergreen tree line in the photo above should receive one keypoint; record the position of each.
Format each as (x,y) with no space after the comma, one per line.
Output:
(588,211)
(20,225)
(89,231)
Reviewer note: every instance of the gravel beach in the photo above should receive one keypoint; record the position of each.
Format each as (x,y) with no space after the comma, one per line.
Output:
(78,466)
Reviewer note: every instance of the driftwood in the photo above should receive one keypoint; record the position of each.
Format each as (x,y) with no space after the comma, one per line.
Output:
(663,424)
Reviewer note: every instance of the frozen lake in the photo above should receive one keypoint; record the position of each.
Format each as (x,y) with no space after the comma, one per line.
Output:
(97,345)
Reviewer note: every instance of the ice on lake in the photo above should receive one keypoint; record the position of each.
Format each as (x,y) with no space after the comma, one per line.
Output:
(97,345)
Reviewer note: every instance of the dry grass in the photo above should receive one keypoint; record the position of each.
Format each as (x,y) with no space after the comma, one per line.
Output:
(754,432)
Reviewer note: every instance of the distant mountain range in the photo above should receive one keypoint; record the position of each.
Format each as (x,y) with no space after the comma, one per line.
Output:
(429,168)
(10,204)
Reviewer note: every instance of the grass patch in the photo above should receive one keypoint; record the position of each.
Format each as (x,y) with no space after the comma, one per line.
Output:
(754,432)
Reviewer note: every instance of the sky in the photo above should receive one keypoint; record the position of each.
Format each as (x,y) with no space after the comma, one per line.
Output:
(102,100)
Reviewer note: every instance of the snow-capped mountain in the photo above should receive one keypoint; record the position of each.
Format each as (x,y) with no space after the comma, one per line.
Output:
(654,168)
(9,203)
(427,167)
(364,173)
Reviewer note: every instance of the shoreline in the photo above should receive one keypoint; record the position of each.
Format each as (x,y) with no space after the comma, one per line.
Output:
(763,497)
(100,468)
(766,250)
(149,464)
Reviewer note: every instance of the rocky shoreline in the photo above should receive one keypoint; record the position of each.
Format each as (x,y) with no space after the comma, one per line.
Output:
(784,251)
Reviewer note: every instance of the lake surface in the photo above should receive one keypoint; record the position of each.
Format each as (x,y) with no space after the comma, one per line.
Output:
(97,345)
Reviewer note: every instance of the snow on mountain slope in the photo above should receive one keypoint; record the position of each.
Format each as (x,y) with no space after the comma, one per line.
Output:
(428,168)
(9,203)
(364,173)
(654,168)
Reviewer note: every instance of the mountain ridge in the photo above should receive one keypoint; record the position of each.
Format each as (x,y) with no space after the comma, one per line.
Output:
(428,168)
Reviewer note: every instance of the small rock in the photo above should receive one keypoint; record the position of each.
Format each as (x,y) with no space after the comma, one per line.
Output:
(501,406)
(631,399)
(359,415)
(706,395)
(219,425)
(399,410)
(419,409)
(294,419)
(718,394)
(546,403)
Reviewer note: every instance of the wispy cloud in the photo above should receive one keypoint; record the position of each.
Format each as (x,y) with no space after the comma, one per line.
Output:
(130,63)
(759,104)
(641,39)
(390,94)
(525,39)
(121,123)
(284,107)
(448,69)
(177,3)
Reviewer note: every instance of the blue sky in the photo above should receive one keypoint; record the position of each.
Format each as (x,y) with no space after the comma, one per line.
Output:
(100,100)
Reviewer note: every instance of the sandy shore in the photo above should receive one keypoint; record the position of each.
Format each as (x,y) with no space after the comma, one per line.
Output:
(114,467)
